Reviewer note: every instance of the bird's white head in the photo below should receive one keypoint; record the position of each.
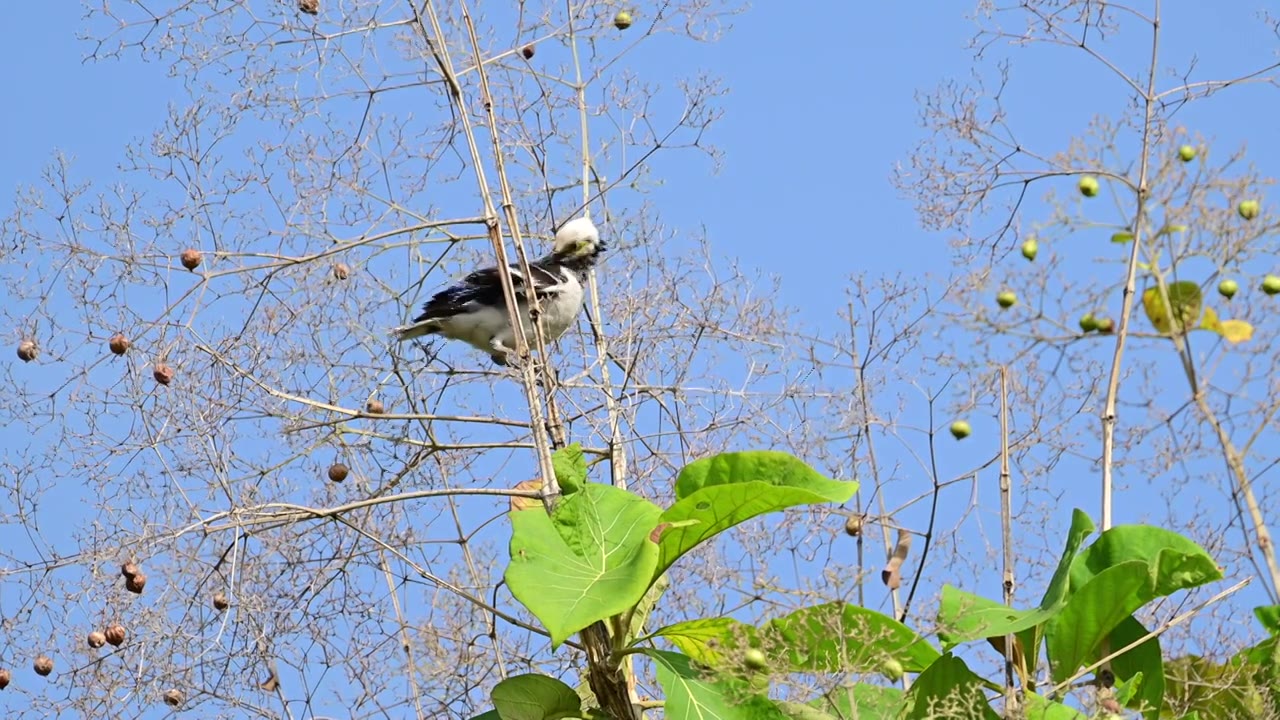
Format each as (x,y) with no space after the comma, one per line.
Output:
(577,238)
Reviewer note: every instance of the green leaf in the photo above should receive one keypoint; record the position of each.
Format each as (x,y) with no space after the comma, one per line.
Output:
(1213,690)
(570,467)
(948,690)
(964,616)
(1091,613)
(1186,299)
(1036,707)
(1143,666)
(839,637)
(642,609)
(693,695)
(488,715)
(705,640)
(862,701)
(716,493)
(535,697)
(1122,237)
(590,559)
(1175,563)
(1269,616)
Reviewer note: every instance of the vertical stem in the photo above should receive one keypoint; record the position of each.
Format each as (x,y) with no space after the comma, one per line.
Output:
(1131,277)
(1006,539)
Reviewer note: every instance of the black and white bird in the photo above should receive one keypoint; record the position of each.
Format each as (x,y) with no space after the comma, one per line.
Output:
(473,309)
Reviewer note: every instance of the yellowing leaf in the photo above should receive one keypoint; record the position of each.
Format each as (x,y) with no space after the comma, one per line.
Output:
(1186,300)
(1122,237)
(1235,331)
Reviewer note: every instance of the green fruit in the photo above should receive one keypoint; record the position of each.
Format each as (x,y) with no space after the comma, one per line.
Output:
(1089,186)
(1030,248)
(1006,299)
(960,430)
(892,669)
(622,20)
(1088,323)
(1248,209)
(1187,153)
(1228,288)
(1271,285)
(753,659)
(1105,325)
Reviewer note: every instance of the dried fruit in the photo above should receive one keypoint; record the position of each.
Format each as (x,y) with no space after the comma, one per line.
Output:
(1007,299)
(191,258)
(43,665)
(28,350)
(97,639)
(622,20)
(341,271)
(311,7)
(163,374)
(129,569)
(1089,186)
(136,583)
(853,526)
(119,344)
(220,601)
(960,429)
(1248,209)
(5,677)
(172,698)
(1228,288)
(338,472)
(375,407)
(527,51)
(115,635)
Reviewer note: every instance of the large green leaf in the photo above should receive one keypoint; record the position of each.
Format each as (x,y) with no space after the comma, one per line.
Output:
(1269,616)
(716,493)
(964,616)
(1035,707)
(948,690)
(591,558)
(862,701)
(839,637)
(693,695)
(1144,661)
(1092,611)
(535,697)
(1174,562)
(710,641)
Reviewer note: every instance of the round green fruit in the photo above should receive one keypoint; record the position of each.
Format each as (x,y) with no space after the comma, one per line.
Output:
(1030,248)
(1248,209)
(753,659)
(1187,153)
(1006,299)
(1089,186)
(961,430)
(892,669)
(622,20)
(1228,288)
(1105,325)
(1088,323)
(1271,285)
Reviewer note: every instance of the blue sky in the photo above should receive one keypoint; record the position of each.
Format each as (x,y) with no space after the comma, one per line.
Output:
(822,106)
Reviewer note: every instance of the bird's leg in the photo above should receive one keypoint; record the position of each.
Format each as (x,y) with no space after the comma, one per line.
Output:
(500,352)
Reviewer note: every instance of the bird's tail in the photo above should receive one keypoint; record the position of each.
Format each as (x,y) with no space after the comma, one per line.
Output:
(418,329)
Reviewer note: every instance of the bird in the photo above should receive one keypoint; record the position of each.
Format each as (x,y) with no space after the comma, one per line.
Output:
(473,310)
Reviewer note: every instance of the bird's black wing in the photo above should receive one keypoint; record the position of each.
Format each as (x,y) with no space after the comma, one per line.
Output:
(484,287)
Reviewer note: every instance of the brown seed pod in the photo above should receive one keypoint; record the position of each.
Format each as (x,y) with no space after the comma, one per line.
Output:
(28,350)
(220,601)
(172,698)
(163,374)
(119,344)
(375,407)
(115,635)
(136,583)
(527,51)
(129,569)
(97,639)
(5,677)
(342,271)
(43,665)
(191,258)
(311,7)
(853,526)
(338,472)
